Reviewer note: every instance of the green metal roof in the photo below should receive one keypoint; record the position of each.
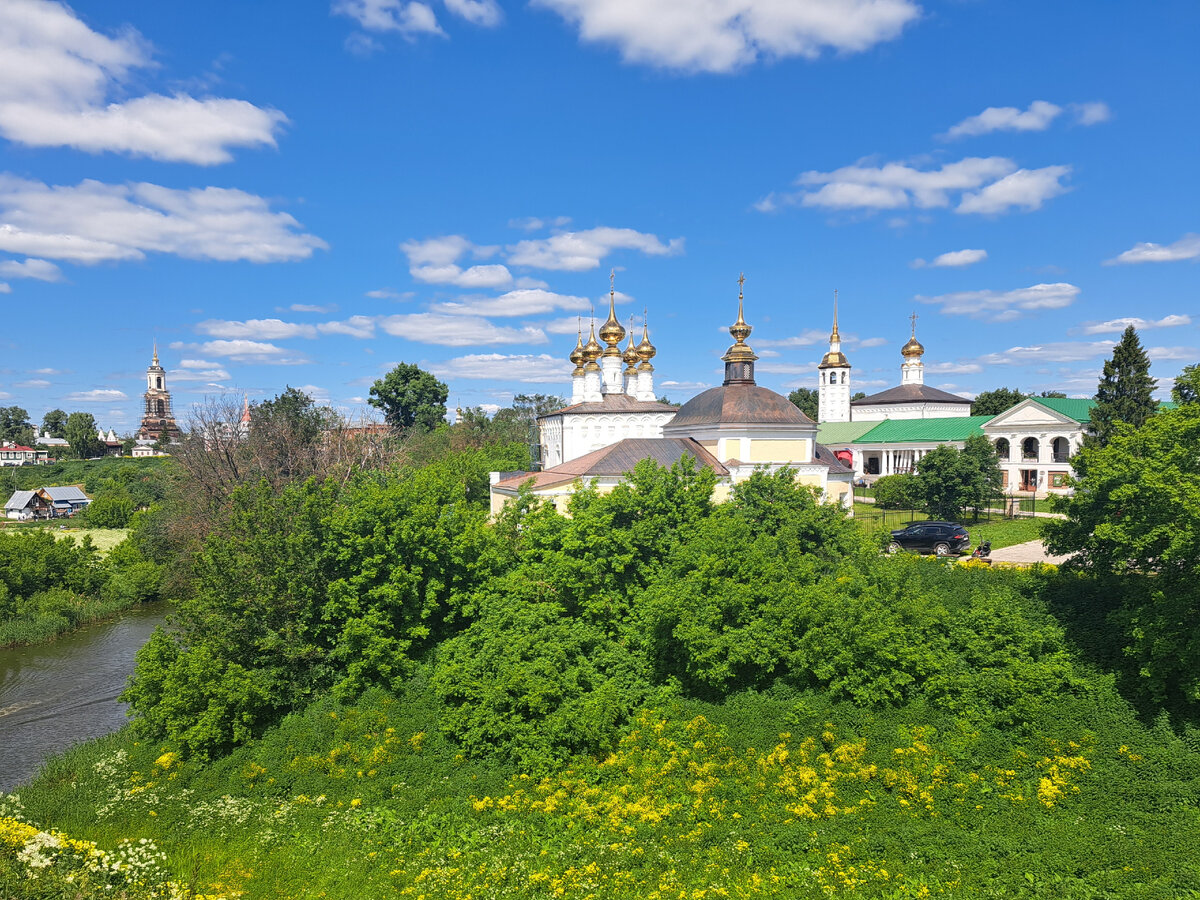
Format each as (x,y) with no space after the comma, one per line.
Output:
(924,431)
(833,433)
(1073,407)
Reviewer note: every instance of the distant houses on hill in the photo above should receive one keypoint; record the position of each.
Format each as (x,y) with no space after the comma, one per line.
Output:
(45,503)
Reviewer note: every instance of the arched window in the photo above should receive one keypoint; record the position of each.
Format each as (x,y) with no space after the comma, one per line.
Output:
(1062,449)
(158,381)
(1030,449)
(160,408)
(1002,448)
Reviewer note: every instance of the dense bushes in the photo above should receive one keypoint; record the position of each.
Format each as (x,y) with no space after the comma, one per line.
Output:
(544,633)
(48,585)
(902,491)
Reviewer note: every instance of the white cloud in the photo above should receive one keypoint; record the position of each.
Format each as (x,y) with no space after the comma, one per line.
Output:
(255,329)
(684,385)
(5,288)
(1056,352)
(406,18)
(311,308)
(317,393)
(389,294)
(1025,188)
(896,185)
(949,368)
(806,338)
(787,368)
(515,303)
(440,251)
(1003,306)
(873,342)
(579,251)
(93,222)
(1187,247)
(96,396)
(723,35)
(540,369)
(1116,326)
(478,12)
(1007,118)
(1091,113)
(32,383)
(954,259)
(457,331)
(192,370)
(57,77)
(40,269)
(478,277)
(355,327)
(246,352)
(48,372)
(4,395)
(565,325)
(1158,354)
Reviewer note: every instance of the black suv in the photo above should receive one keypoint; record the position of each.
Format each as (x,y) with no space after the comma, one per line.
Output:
(942,538)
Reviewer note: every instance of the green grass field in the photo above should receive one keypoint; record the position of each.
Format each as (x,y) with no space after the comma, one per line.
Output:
(104,539)
(1000,531)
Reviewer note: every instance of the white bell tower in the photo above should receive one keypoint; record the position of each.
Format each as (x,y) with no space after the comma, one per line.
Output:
(833,391)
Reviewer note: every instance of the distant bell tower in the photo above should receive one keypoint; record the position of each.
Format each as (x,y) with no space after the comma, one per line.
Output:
(157,418)
(833,391)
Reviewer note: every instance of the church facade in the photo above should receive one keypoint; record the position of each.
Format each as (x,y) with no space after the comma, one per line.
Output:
(734,430)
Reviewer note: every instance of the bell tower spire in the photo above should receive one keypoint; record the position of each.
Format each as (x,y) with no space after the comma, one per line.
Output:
(739,359)
(833,374)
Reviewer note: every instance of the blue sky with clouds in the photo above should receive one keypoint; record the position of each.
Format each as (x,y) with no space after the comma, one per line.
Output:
(308,193)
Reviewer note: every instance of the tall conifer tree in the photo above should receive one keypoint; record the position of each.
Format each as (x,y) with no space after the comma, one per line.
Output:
(1125,389)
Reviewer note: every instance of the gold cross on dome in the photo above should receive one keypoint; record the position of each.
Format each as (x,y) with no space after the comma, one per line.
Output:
(741,281)
(913,318)
(612,281)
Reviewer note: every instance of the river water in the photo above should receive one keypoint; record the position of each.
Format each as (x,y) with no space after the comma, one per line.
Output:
(58,694)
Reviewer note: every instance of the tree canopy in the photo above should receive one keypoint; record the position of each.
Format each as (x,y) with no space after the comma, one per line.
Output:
(1125,392)
(807,400)
(81,435)
(954,480)
(1187,386)
(54,423)
(994,402)
(15,425)
(411,398)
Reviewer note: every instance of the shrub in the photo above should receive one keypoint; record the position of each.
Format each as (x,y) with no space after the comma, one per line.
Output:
(899,492)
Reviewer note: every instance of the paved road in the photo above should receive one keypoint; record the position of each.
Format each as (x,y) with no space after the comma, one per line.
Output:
(1029,552)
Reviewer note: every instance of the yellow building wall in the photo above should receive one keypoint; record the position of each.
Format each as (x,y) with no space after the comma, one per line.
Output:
(710,446)
(780,451)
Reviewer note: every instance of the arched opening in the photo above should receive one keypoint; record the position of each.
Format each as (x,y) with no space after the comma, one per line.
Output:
(160,408)
(1030,449)
(158,381)
(1002,449)
(1062,449)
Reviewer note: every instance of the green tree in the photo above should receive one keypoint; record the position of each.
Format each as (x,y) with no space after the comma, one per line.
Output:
(411,399)
(992,403)
(953,481)
(81,435)
(1187,386)
(901,491)
(858,395)
(1058,395)
(1125,390)
(806,400)
(15,425)
(1134,521)
(55,423)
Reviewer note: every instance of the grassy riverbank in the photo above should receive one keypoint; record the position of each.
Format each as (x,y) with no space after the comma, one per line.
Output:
(761,796)
(54,581)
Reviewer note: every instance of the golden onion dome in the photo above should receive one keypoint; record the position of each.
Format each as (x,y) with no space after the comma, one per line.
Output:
(611,331)
(645,349)
(912,349)
(740,330)
(577,355)
(630,356)
(592,349)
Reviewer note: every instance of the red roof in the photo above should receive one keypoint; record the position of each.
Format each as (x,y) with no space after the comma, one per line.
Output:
(18,447)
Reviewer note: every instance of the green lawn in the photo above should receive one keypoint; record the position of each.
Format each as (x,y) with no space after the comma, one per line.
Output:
(1000,531)
(103,538)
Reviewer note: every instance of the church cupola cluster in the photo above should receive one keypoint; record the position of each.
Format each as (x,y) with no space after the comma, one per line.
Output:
(912,370)
(157,418)
(601,371)
(739,358)
(833,391)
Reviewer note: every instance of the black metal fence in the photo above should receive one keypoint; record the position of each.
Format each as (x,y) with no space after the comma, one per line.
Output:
(999,506)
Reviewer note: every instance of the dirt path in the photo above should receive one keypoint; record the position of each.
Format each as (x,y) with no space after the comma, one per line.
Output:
(1029,552)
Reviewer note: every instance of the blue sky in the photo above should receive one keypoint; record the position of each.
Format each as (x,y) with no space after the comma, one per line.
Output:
(309,193)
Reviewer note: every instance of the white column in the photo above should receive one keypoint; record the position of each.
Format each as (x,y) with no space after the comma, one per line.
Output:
(577,389)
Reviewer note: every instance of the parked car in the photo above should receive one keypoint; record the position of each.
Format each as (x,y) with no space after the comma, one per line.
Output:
(942,538)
